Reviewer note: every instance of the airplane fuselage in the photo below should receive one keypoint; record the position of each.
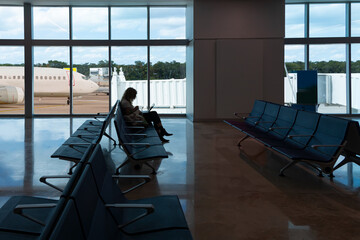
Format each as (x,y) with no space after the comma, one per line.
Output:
(48,82)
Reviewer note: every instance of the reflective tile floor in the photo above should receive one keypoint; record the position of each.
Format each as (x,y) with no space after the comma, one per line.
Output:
(226,192)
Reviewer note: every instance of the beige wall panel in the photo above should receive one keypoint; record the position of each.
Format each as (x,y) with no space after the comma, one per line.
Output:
(273,70)
(239,75)
(238,19)
(204,80)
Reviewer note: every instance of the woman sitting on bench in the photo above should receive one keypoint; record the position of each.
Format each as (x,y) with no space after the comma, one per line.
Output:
(133,114)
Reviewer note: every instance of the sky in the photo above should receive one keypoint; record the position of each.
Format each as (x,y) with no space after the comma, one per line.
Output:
(92,23)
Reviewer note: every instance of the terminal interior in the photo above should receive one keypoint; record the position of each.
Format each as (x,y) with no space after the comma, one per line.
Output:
(225,191)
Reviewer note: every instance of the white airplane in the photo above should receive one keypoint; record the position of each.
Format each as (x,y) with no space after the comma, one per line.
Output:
(48,82)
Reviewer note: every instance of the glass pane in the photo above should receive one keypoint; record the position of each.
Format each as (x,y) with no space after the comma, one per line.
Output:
(128,23)
(51,80)
(355,19)
(327,20)
(12,22)
(91,80)
(168,79)
(355,78)
(11,80)
(167,23)
(90,23)
(130,70)
(12,155)
(294,20)
(329,61)
(51,22)
(294,61)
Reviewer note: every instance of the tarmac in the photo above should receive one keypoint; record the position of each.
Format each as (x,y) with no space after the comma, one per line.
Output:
(88,104)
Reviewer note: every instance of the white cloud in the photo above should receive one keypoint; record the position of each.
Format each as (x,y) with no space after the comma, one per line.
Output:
(44,54)
(89,54)
(173,27)
(11,22)
(327,52)
(13,55)
(167,54)
(90,23)
(295,30)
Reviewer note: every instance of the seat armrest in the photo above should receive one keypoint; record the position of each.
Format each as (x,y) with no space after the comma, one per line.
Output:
(299,135)
(76,144)
(272,128)
(135,127)
(43,179)
(136,134)
(19,210)
(326,145)
(145,178)
(148,207)
(138,144)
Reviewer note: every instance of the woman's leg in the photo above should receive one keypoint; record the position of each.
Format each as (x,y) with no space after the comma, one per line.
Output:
(153,117)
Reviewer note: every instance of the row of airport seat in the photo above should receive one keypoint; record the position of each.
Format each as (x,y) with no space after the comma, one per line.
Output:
(91,131)
(302,136)
(91,205)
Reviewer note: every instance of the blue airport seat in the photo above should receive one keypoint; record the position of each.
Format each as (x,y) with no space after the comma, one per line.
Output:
(250,120)
(263,124)
(281,127)
(11,221)
(90,132)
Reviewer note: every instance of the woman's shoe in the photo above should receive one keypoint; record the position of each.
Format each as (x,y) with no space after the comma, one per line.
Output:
(165,133)
(164,140)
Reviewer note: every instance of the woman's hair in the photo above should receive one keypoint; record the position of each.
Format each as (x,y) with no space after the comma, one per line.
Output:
(129,94)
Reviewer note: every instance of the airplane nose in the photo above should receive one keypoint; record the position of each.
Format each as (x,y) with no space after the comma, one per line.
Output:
(95,86)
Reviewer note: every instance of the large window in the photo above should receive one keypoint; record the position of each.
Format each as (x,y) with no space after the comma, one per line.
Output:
(84,57)
(326,42)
